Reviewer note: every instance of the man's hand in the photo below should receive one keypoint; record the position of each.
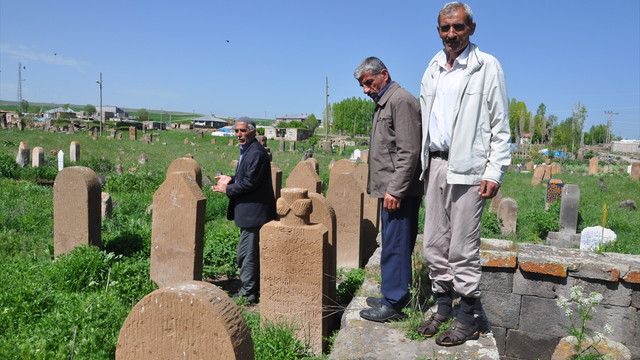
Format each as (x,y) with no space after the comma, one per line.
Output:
(221,185)
(391,203)
(488,189)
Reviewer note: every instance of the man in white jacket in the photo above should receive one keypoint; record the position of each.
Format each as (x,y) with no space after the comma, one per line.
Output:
(465,153)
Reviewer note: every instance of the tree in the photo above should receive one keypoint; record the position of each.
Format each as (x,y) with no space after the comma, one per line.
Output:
(352,116)
(518,119)
(597,134)
(540,132)
(551,124)
(23,107)
(578,116)
(311,122)
(143,115)
(89,110)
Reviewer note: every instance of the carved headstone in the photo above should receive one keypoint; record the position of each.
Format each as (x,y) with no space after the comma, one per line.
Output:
(569,209)
(370,212)
(347,199)
(37,157)
(292,146)
(177,233)
(60,160)
(191,319)
(133,133)
(281,145)
(304,176)
(555,168)
(364,156)
(540,174)
(508,216)
(593,166)
(76,209)
(495,202)
(315,164)
(189,166)
(276,179)
(23,154)
(74,151)
(342,166)
(530,165)
(293,264)
(635,171)
(231,142)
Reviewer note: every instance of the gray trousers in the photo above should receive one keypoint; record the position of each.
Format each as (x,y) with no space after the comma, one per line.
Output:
(248,258)
(452,233)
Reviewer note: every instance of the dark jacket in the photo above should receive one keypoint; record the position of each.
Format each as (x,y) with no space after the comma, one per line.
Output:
(251,200)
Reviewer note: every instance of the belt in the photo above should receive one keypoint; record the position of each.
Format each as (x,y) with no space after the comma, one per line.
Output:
(439,154)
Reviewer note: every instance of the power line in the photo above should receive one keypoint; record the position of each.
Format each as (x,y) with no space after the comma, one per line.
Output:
(611,113)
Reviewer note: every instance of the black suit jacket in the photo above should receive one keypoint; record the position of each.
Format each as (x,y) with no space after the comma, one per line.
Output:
(251,200)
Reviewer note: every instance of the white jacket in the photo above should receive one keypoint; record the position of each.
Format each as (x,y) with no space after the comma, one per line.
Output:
(479,148)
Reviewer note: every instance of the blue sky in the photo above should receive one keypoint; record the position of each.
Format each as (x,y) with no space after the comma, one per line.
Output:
(175,55)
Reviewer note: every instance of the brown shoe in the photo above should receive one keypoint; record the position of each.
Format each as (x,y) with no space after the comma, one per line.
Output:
(432,325)
(457,334)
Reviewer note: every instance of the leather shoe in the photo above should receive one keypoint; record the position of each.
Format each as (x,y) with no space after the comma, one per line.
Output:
(382,313)
(373,301)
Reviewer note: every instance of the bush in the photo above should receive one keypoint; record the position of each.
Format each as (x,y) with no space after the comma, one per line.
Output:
(349,282)
(8,167)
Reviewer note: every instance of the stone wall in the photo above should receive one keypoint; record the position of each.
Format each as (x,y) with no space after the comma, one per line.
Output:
(520,287)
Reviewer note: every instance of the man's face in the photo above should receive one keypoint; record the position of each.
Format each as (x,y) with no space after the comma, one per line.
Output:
(373,84)
(243,134)
(454,31)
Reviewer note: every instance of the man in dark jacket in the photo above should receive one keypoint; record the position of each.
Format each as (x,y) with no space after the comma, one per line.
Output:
(251,204)
(394,157)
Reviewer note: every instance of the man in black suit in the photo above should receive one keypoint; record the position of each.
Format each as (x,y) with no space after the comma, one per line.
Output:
(251,203)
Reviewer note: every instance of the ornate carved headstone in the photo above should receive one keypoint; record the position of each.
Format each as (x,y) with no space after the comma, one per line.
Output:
(191,319)
(177,234)
(37,157)
(508,216)
(304,176)
(76,209)
(347,199)
(293,264)
(189,166)
(23,154)
(74,151)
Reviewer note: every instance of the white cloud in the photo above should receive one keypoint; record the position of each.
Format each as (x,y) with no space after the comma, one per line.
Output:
(27,53)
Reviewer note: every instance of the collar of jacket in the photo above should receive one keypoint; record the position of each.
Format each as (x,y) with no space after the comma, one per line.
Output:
(387,94)
(474,61)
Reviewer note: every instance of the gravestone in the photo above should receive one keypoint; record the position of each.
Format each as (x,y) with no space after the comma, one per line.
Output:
(213,141)
(347,199)
(262,140)
(191,320)
(22,159)
(3,120)
(292,146)
(304,176)
(112,134)
(293,262)
(314,163)
(106,206)
(76,209)
(370,212)
(635,171)
(356,155)
(60,160)
(189,166)
(276,179)
(508,216)
(540,174)
(554,191)
(530,165)
(200,134)
(593,166)
(591,238)
(74,152)
(495,202)
(331,163)
(133,133)
(117,168)
(569,209)
(328,147)
(555,168)
(547,161)
(364,156)
(341,147)
(37,157)
(119,136)
(177,232)
(72,130)
(231,142)
(342,166)
(143,159)
(281,145)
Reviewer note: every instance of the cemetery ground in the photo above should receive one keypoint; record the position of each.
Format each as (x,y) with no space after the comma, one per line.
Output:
(77,304)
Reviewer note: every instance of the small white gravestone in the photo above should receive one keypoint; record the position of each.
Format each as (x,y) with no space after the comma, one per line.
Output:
(60,160)
(592,237)
(356,154)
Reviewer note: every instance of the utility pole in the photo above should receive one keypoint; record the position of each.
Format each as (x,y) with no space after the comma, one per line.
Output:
(326,109)
(610,113)
(20,85)
(100,83)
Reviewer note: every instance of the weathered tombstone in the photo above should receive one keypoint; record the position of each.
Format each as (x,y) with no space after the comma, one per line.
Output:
(213,141)
(635,171)
(593,166)
(74,151)
(37,157)
(347,199)
(191,319)
(106,206)
(547,161)
(76,209)
(364,156)
(276,179)
(72,130)
(293,266)
(328,147)
(231,142)
(370,212)
(314,163)
(262,140)
(189,166)
(23,154)
(292,146)
(555,168)
(508,216)
(112,134)
(569,209)
(119,136)
(3,120)
(357,153)
(495,202)
(20,124)
(591,238)
(281,145)
(200,134)
(60,160)
(117,168)
(342,166)
(540,174)
(580,154)
(133,133)
(322,213)
(177,233)
(331,163)
(530,165)
(234,163)
(304,176)
(554,191)
(143,159)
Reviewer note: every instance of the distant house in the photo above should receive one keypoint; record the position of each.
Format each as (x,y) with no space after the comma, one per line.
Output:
(626,146)
(297,134)
(60,112)
(209,122)
(288,118)
(154,125)
(273,133)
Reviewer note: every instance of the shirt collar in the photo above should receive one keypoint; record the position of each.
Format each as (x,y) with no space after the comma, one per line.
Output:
(383,91)
(461,60)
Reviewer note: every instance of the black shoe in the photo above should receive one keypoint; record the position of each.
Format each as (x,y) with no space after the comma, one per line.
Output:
(382,313)
(373,301)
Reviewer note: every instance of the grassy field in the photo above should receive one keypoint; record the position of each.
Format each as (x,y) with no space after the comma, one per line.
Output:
(53,309)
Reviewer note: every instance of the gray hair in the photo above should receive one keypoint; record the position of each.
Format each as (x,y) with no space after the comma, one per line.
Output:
(250,123)
(372,64)
(451,7)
